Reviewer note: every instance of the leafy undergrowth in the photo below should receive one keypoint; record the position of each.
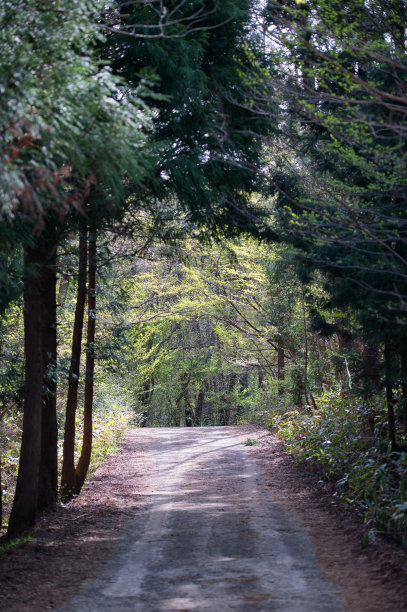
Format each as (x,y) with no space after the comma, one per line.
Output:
(108,426)
(10,440)
(343,441)
(110,421)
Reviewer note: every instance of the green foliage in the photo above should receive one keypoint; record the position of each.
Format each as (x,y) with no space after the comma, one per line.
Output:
(341,175)
(194,330)
(10,545)
(65,118)
(202,130)
(10,441)
(342,441)
(108,427)
(252,442)
(112,414)
(111,417)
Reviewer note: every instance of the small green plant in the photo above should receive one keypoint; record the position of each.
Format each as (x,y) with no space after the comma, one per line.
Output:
(252,442)
(109,423)
(343,441)
(10,545)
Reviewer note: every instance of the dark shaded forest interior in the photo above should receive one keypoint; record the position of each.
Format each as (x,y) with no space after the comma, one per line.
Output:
(203,222)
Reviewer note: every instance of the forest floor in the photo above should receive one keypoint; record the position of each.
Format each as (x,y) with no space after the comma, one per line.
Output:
(245,527)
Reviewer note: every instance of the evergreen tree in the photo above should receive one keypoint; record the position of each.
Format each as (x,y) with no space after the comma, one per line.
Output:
(203,133)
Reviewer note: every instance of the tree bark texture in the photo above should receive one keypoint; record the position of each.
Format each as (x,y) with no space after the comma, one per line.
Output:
(389,394)
(86,452)
(68,463)
(48,477)
(199,407)
(25,502)
(404,387)
(1,497)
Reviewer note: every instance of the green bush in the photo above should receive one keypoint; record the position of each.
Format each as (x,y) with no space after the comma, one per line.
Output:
(10,441)
(344,442)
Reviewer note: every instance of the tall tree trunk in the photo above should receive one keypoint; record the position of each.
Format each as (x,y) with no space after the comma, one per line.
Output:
(1,497)
(189,411)
(48,478)
(404,386)
(146,394)
(68,463)
(305,349)
(389,393)
(371,368)
(86,452)
(25,502)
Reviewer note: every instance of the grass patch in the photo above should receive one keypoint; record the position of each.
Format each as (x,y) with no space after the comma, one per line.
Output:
(252,442)
(8,546)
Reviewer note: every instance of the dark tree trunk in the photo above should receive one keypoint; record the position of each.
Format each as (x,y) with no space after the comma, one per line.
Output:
(146,394)
(48,478)
(305,376)
(84,460)
(1,498)
(371,368)
(68,463)
(404,387)
(389,393)
(25,502)
(199,407)
(189,412)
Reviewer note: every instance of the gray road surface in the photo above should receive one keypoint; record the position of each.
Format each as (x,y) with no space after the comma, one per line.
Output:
(211,539)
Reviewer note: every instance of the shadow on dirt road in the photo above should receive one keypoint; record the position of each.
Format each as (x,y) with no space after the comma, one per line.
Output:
(211,538)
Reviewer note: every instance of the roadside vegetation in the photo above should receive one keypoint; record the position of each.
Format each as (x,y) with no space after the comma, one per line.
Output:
(203,222)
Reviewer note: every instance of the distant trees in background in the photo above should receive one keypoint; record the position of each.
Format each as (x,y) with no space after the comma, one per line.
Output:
(218,192)
(77,158)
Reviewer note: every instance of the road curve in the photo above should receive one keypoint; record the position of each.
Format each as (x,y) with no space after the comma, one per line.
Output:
(212,538)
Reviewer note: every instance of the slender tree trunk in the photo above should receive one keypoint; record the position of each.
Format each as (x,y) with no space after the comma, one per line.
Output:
(305,349)
(231,405)
(48,478)
(68,463)
(1,497)
(404,387)
(84,460)
(199,407)
(371,368)
(280,368)
(389,393)
(1,485)
(62,290)
(25,502)
(189,410)
(146,394)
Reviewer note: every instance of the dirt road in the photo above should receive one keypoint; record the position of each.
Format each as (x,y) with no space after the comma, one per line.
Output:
(211,538)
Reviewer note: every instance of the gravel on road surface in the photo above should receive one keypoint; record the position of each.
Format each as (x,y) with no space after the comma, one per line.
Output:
(212,538)
(190,519)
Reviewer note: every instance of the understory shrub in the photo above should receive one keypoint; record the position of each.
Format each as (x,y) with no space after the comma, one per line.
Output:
(344,441)
(110,419)
(10,441)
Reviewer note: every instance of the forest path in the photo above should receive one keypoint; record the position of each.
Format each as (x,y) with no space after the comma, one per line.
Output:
(192,519)
(211,537)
